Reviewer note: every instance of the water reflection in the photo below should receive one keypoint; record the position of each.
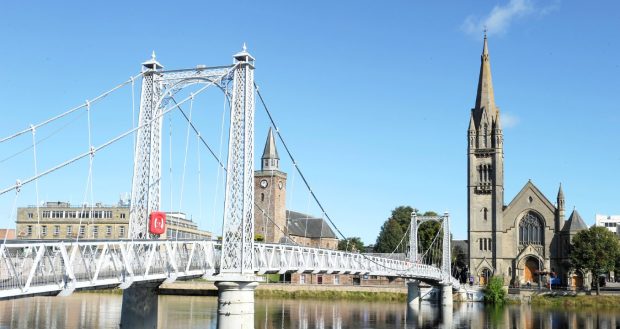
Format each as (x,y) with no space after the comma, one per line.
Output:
(103,311)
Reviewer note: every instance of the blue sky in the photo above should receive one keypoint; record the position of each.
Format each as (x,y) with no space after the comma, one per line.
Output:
(372,97)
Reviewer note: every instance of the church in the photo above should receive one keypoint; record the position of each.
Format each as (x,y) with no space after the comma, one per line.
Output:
(529,235)
(273,223)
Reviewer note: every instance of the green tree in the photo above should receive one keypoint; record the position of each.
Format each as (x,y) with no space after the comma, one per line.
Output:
(459,263)
(594,250)
(426,233)
(389,236)
(494,292)
(351,244)
(401,216)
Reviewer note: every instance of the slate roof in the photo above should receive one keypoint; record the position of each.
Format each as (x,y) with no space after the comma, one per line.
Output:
(301,224)
(270,151)
(574,223)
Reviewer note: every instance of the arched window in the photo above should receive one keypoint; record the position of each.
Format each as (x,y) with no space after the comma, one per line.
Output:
(530,230)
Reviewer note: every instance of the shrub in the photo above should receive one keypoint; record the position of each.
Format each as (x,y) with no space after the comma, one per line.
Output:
(494,292)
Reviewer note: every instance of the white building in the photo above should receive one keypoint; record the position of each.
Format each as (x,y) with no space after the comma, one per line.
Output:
(612,222)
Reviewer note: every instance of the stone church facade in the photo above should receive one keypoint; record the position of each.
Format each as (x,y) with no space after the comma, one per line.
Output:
(528,236)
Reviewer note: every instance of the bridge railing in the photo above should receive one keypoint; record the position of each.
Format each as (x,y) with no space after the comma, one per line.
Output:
(38,267)
(28,267)
(280,258)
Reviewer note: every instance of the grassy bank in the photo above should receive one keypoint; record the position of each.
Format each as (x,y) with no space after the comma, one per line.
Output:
(112,291)
(577,301)
(331,294)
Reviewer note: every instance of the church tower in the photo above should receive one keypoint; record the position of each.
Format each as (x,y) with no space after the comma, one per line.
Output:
(485,180)
(270,195)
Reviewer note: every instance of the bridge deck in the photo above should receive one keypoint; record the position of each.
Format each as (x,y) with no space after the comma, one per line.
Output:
(61,267)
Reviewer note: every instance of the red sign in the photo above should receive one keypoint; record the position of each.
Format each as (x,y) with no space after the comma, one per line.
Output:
(157,222)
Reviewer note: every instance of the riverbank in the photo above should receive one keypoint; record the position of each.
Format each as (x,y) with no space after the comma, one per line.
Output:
(271,290)
(576,301)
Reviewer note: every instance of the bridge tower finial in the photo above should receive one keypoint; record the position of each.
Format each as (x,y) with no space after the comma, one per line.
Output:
(152,64)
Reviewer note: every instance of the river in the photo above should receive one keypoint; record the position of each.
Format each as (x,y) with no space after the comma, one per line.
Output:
(95,310)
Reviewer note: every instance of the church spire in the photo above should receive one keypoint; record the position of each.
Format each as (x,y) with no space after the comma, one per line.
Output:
(485,98)
(270,158)
(560,208)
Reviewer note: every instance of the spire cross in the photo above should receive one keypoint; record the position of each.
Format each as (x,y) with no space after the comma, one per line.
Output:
(485,31)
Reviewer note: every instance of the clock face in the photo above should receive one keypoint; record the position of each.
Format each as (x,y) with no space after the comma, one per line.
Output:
(264,183)
(280,185)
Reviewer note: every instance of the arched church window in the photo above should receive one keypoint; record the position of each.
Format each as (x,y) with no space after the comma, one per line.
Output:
(530,230)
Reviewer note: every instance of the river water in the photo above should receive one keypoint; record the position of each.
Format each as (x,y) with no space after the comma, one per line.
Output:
(93,310)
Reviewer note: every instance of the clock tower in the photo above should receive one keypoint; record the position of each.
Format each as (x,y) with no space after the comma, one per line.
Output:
(270,195)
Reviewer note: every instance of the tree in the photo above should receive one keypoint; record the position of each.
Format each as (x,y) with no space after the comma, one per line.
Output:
(389,236)
(351,244)
(494,292)
(594,250)
(401,216)
(426,233)
(459,263)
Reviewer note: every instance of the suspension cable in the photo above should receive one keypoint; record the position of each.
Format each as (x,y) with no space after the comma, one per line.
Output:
(304,178)
(191,107)
(36,183)
(221,165)
(59,116)
(260,96)
(13,212)
(113,140)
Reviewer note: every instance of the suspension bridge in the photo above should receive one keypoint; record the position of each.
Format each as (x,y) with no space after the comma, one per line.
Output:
(142,260)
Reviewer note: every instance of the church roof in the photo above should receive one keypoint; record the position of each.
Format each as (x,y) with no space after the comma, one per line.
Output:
(485,98)
(560,193)
(530,186)
(574,223)
(270,151)
(301,224)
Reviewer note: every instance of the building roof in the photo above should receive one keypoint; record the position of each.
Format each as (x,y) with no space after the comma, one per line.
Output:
(304,225)
(270,151)
(574,223)
(485,99)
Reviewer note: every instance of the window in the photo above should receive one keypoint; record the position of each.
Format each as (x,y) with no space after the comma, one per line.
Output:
(530,230)
(71,214)
(44,230)
(121,231)
(336,279)
(29,230)
(82,230)
(30,215)
(302,278)
(95,231)
(56,230)
(485,244)
(108,230)
(107,214)
(46,214)
(69,230)
(485,213)
(123,215)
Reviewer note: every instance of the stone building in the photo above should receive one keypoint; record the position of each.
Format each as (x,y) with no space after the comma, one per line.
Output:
(272,222)
(61,220)
(529,235)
